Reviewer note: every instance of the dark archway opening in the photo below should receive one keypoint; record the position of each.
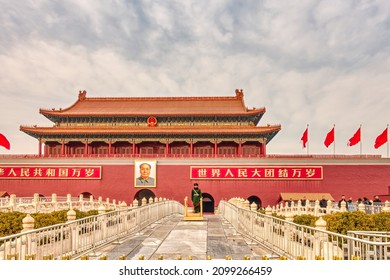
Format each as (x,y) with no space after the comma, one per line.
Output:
(208,203)
(255,199)
(86,195)
(144,193)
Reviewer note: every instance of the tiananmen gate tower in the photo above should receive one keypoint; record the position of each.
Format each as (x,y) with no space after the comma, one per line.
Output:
(99,145)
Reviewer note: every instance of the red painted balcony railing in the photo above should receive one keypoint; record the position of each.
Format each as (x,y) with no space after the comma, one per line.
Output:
(276,156)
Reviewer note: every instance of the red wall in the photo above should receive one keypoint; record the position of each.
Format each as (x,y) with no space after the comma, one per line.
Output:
(173,182)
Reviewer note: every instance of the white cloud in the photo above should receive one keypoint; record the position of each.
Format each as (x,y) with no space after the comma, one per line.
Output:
(308,62)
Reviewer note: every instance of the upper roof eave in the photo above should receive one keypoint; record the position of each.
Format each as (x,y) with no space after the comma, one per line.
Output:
(156,106)
(252,112)
(150,130)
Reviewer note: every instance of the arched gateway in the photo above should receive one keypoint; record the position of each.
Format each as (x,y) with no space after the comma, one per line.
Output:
(255,199)
(144,193)
(208,203)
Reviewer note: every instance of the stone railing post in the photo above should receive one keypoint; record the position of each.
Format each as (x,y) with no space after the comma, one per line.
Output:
(282,209)
(36,202)
(386,208)
(54,201)
(143,201)
(320,238)
(102,221)
(12,202)
(299,207)
(253,207)
(361,207)
(343,206)
(151,200)
(101,209)
(69,200)
(91,203)
(328,207)
(293,207)
(289,216)
(135,203)
(246,204)
(81,201)
(71,216)
(28,223)
(316,207)
(268,210)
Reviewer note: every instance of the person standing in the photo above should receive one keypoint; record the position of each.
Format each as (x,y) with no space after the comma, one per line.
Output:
(303,201)
(376,200)
(323,202)
(196,195)
(350,205)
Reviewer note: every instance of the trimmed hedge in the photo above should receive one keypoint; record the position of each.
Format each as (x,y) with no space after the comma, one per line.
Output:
(305,220)
(345,221)
(11,223)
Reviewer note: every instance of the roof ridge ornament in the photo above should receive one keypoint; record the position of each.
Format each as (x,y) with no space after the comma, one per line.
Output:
(239,93)
(82,94)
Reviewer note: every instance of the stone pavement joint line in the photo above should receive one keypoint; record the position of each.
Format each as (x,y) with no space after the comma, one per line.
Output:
(172,237)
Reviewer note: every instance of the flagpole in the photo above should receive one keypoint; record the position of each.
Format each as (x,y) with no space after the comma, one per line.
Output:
(334,142)
(387,140)
(308,142)
(360,140)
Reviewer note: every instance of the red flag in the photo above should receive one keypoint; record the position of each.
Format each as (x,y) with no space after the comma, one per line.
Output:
(381,139)
(4,142)
(305,137)
(355,138)
(329,138)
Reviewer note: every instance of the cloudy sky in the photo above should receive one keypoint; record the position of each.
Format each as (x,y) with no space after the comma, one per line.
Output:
(307,61)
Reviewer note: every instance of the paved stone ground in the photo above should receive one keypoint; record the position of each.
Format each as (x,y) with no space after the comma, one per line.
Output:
(173,237)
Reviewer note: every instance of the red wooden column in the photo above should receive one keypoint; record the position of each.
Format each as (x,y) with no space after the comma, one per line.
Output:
(109,147)
(45,150)
(62,148)
(167,148)
(86,148)
(264,149)
(39,147)
(134,147)
(215,148)
(191,148)
(240,148)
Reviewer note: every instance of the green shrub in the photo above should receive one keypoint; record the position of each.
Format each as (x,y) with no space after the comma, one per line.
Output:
(11,223)
(382,221)
(305,220)
(278,216)
(346,221)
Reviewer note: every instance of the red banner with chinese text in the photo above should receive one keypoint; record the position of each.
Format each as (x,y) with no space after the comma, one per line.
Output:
(257,172)
(51,172)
